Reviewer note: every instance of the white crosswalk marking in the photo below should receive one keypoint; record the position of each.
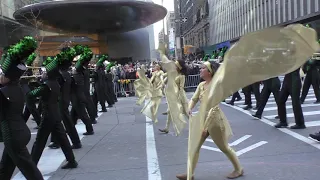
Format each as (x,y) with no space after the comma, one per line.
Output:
(310,109)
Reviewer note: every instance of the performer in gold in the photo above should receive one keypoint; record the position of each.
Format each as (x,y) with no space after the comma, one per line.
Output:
(221,131)
(180,81)
(157,76)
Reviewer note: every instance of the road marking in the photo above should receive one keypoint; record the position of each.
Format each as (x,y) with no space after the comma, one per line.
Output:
(236,142)
(52,159)
(309,124)
(269,103)
(290,115)
(275,108)
(152,156)
(284,130)
(252,147)
(271,97)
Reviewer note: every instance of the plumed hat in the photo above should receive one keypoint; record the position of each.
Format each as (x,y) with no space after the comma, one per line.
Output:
(12,63)
(101,60)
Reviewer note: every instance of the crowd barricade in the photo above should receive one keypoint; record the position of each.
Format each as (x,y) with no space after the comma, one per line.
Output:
(125,87)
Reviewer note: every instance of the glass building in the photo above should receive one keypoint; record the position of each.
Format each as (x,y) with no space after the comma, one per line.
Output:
(230,19)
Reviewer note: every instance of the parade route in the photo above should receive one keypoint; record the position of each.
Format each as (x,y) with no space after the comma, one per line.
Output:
(127,145)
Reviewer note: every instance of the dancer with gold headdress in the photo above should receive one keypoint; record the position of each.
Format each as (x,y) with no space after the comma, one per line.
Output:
(221,131)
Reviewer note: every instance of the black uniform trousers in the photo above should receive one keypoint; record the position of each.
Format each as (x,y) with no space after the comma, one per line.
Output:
(294,91)
(265,94)
(255,88)
(68,124)
(79,108)
(91,108)
(17,154)
(15,135)
(31,108)
(57,130)
(312,78)
(235,96)
(99,100)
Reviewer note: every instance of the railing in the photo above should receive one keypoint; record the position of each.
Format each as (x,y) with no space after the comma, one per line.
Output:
(125,88)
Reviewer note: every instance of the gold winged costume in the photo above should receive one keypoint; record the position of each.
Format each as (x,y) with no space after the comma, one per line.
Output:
(277,51)
(152,90)
(176,96)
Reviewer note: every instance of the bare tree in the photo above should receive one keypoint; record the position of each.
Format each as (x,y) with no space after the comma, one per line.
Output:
(35,24)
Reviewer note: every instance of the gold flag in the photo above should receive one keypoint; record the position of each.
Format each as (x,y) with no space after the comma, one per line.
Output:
(257,56)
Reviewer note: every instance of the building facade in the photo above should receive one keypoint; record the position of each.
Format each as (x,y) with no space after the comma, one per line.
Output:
(230,19)
(170,24)
(198,35)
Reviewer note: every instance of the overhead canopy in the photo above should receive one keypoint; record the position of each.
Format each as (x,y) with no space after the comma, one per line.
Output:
(90,16)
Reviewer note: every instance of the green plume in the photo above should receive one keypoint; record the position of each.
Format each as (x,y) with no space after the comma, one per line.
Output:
(79,49)
(66,55)
(86,56)
(110,65)
(47,61)
(101,60)
(206,57)
(23,48)
(18,52)
(30,59)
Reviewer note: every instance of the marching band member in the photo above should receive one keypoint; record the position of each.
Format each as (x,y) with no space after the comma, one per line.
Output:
(15,133)
(78,99)
(64,101)
(49,92)
(92,111)
(30,107)
(220,132)
(99,84)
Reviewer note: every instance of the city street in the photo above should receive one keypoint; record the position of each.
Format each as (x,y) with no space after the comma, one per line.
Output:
(127,146)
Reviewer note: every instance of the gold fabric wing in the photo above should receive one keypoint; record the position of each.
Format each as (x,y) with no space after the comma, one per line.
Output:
(151,107)
(142,87)
(257,56)
(174,98)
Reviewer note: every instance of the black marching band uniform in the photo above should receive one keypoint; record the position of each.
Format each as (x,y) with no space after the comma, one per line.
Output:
(271,85)
(55,91)
(99,84)
(291,86)
(49,92)
(15,133)
(78,99)
(311,69)
(27,86)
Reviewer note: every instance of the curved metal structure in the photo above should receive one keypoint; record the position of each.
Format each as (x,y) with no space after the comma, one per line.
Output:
(90,16)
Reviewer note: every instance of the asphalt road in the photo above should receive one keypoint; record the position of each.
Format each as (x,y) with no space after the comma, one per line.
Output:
(127,146)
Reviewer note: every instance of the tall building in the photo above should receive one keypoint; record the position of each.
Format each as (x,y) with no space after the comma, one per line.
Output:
(193,23)
(230,19)
(170,21)
(198,35)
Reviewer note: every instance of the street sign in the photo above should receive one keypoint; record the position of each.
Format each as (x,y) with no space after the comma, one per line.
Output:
(237,142)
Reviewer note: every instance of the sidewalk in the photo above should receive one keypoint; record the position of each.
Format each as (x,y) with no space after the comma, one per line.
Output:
(117,151)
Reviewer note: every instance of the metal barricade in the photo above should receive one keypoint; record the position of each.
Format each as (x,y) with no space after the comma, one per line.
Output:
(125,87)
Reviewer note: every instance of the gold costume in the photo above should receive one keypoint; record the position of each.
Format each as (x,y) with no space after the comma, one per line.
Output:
(151,108)
(176,97)
(277,51)
(219,129)
(182,98)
